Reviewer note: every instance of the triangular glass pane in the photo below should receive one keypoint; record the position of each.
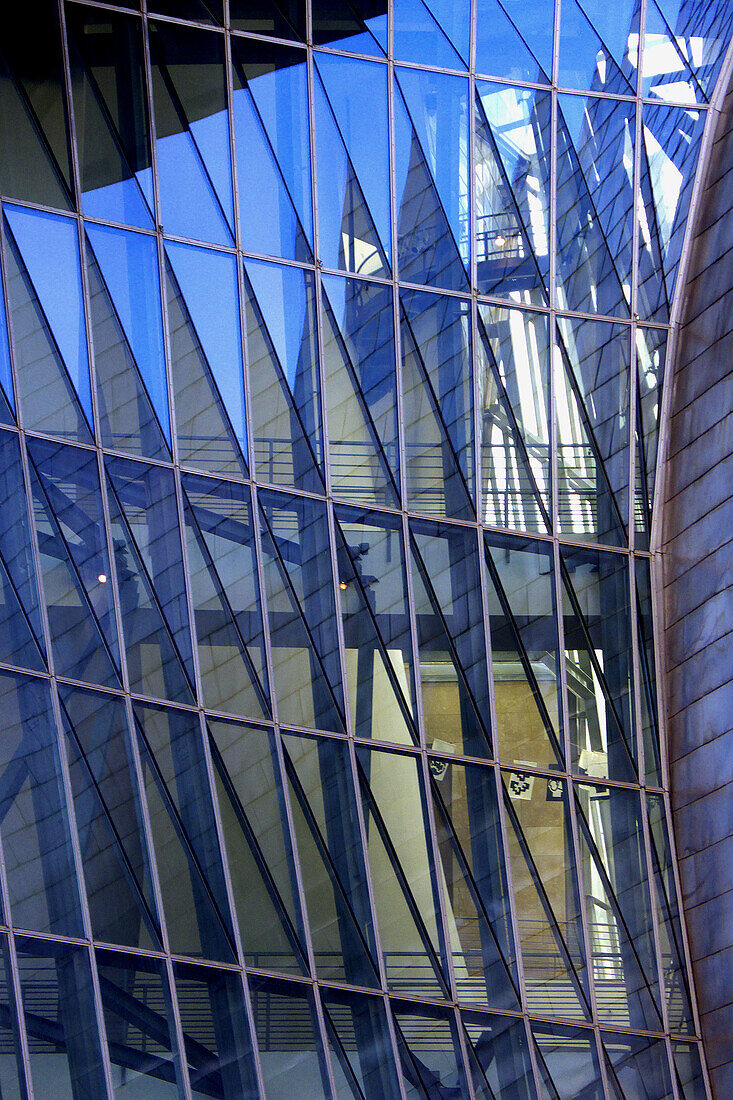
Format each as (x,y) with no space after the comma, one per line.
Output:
(475,886)
(402,872)
(677,992)
(7,395)
(513,362)
(109,820)
(524,652)
(257,839)
(127,421)
(597,630)
(15,533)
(277,18)
(668,54)
(451,640)
(326,823)
(282,362)
(147,497)
(700,36)
(358,95)
(48,401)
(435,484)
(192,133)
(595,46)
(17,644)
(501,49)
(647,686)
(618,906)
(359,469)
(568,1062)
(419,37)
(546,895)
(154,666)
(184,831)
(430,1050)
(228,677)
(199,11)
(431,221)
(269,83)
(379,679)
(651,349)
(77,641)
(128,263)
(112,130)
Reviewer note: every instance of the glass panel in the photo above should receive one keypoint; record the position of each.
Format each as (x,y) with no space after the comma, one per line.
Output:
(278,18)
(359,365)
(215,1033)
(498,1055)
(273,149)
(147,497)
(192,133)
(46,312)
(34,817)
(513,364)
(647,686)
(225,596)
(594,204)
(22,634)
(688,1067)
(291,1053)
(546,896)
(361,1051)
(569,1060)
(513,189)
(598,45)
(74,562)
(676,987)
(33,123)
(7,394)
(184,832)
(421,32)
(429,1050)
(12,1073)
(598,663)
(110,115)
(375,618)
(432,178)
(618,906)
(698,36)
(138,1018)
(331,858)
(128,263)
(475,887)
(60,1020)
(207,282)
(357,27)
(450,629)
(524,651)
(670,145)
(651,351)
(302,611)
(257,839)
(671,53)
(352,146)
(638,1066)
(109,820)
(514,39)
(282,360)
(402,872)
(127,420)
(202,11)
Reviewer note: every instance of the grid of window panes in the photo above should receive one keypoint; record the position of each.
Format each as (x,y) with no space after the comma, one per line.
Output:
(331,350)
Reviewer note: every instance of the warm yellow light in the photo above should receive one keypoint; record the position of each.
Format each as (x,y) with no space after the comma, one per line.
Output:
(343,585)
(102,578)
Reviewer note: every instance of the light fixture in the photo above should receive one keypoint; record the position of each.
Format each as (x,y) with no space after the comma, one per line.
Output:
(102,578)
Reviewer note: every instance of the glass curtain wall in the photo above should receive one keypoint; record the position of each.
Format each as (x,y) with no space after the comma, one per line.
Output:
(332,344)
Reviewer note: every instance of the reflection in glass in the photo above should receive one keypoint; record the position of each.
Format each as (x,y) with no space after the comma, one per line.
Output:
(598,46)
(598,663)
(292,1057)
(651,349)
(514,39)
(637,1066)
(546,895)
(59,1014)
(524,651)
(361,1052)
(498,1056)
(427,1039)
(568,1062)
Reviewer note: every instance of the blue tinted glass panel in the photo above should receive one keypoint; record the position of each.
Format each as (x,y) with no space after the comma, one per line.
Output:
(420,33)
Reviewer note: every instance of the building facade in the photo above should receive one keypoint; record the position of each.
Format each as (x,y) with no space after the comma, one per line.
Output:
(335,339)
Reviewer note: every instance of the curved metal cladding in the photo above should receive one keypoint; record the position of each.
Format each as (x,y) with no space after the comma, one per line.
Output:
(697,559)
(332,343)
